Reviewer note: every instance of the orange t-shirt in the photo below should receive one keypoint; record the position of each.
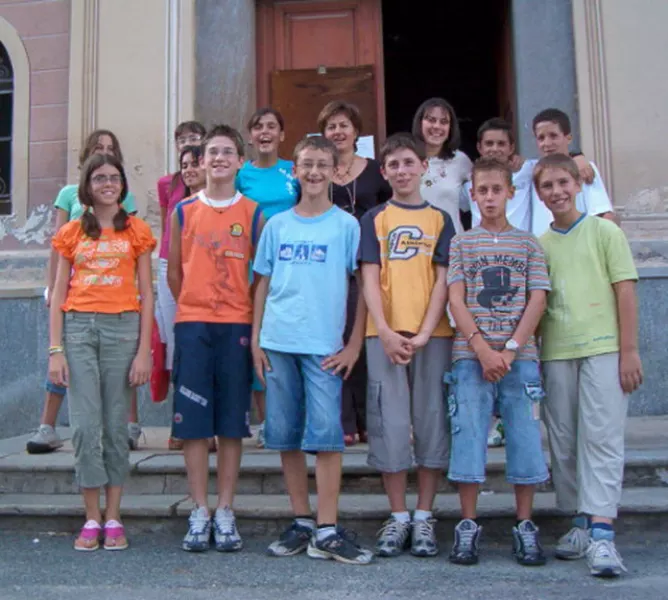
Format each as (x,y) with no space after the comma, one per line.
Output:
(217,245)
(104,271)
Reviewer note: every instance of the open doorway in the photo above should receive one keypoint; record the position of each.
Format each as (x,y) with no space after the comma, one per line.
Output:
(453,49)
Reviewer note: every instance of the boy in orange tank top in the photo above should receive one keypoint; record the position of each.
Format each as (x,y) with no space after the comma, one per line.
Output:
(212,243)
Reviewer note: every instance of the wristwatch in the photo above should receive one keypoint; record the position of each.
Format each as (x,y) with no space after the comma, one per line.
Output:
(512,345)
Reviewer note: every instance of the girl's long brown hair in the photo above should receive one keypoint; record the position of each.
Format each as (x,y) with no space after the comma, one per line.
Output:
(89,222)
(91,142)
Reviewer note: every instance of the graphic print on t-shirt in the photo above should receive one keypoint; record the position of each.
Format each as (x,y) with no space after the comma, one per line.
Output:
(406,241)
(497,295)
(302,253)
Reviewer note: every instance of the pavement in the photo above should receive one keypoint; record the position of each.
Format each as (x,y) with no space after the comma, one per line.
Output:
(154,568)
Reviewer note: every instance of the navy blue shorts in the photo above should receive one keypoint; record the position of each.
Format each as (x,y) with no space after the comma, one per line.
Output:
(213,372)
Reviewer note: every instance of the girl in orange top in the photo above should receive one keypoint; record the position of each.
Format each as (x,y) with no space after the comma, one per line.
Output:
(101,319)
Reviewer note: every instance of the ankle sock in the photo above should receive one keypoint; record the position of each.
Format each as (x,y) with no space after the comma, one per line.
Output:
(305,521)
(602,531)
(402,517)
(325,530)
(422,515)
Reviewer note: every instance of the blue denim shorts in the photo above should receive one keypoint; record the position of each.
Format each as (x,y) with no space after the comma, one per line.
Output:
(471,402)
(53,388)
(303,406)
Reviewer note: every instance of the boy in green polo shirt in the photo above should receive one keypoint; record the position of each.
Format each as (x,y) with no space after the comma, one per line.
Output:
(590,363)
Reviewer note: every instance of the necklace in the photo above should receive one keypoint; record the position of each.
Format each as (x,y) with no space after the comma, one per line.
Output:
(346,174)
(352,196)
(496,234)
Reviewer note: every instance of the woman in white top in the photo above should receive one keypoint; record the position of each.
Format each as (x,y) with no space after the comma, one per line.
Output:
(435,124)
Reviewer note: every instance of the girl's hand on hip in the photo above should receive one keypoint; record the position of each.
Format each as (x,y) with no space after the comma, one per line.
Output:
(59,373)
(140,371)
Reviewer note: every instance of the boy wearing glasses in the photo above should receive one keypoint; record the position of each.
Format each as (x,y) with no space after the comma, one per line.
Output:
(304,260)
(213,239)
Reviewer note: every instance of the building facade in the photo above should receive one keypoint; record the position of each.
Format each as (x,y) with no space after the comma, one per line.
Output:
(138,68)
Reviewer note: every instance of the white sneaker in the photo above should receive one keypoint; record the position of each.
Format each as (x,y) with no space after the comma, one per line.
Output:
(225,533)
(604,559)
(44,441)
(574,544)
(496,436)
(134,433)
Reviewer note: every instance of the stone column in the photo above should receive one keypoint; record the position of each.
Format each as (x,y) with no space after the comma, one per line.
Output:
(544,61)
(225,61)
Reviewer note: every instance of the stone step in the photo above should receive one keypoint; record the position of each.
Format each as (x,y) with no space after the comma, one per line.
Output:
(641,508)
(164,473)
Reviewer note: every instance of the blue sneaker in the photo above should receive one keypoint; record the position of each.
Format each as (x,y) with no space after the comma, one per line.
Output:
(294,540)
(225,533)
(198,538)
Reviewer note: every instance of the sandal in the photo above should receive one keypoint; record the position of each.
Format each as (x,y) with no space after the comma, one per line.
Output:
(350,439)
(89,537)
(175,444)
(114,536)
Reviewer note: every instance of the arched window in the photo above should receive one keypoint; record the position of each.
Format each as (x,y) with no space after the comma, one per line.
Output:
(6,117)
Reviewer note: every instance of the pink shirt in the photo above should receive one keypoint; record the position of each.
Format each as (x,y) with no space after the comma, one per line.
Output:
(169,201)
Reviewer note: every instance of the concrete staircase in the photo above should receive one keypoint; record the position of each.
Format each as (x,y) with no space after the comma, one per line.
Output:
(38,492)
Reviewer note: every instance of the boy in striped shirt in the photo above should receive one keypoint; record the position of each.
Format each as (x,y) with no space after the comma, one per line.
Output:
(497,286)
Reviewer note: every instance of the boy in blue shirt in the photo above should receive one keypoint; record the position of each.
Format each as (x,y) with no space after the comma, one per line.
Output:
(304,260)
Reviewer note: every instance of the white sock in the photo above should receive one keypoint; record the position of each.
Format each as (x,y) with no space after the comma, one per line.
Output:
(324,532)
(310,523)
(421,515)
(402,517)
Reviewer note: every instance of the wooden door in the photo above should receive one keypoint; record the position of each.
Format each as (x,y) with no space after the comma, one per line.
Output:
(300,95)
(294,37)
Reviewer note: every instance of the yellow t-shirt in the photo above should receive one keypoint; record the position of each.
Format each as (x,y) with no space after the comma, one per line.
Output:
(583,263)
(408,242)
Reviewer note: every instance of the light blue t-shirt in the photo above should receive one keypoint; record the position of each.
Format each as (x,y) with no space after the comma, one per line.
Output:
(309,261)
(275,188)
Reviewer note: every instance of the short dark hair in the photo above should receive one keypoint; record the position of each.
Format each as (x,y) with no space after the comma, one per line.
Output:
(496,124)
(555,161)
(316,142)
(340,107)
(225,131)
(553,115)
(488,164)
(92,140)
(191,126)
(261,112)
(402,141)
(89,222)
(454,137)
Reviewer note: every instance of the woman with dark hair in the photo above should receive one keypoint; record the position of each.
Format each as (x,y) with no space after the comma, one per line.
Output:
(435,124)
(100,338)
(358,186)
(269,181)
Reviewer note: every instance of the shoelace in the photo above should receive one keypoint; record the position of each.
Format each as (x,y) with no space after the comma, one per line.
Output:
(605,549)
(225,525)
(198,523)
(425,527)
(529,540)
(392,528)
(577,537)
(466,538)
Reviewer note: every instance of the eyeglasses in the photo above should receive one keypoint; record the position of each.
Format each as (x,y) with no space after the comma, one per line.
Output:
(307,166)
(104,179)
(193,138)
(226,152)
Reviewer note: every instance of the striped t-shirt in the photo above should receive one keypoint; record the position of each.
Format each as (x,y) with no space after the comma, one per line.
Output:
(498,270)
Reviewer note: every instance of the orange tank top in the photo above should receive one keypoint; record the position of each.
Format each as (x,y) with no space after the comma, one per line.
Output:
(217,245)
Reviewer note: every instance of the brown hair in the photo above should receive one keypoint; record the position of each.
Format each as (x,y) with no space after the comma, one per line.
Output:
(553,115)
(189,126)
(197,153)
(89,222)
(555,161)
(92,140)
(225,131)
(496,124)
(454,136)
(340,107)
(316,142)
(402,141)
(488,164)
(261,112)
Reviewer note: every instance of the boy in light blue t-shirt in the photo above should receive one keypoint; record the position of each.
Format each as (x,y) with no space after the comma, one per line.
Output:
(304,260)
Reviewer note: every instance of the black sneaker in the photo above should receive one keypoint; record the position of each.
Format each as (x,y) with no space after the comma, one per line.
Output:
(293,540)
(339,546)
(465,549)
(526,545)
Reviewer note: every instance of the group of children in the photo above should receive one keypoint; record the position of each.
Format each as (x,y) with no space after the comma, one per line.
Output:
(566,299)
